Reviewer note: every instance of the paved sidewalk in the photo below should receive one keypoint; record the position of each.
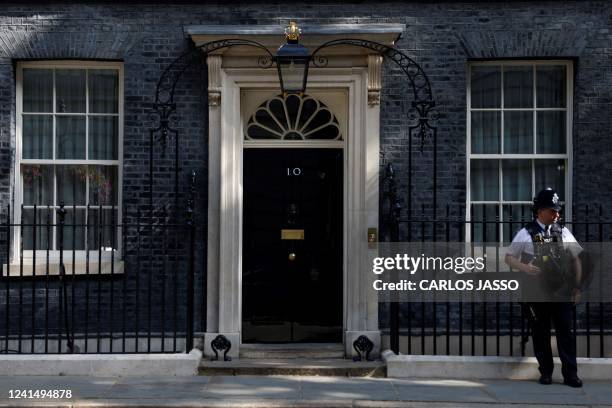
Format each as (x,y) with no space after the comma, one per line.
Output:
(300,391)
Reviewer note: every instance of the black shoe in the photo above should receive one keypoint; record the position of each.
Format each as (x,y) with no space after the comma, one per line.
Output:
(573,382)
(545,379)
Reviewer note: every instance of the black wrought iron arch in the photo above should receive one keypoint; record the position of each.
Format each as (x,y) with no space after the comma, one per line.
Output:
(164,106)
(418,78)
(423,101)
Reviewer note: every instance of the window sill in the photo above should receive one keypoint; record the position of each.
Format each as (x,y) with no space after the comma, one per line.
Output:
(95,268)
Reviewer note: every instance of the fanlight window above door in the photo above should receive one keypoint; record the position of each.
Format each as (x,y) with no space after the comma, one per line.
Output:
(293,117)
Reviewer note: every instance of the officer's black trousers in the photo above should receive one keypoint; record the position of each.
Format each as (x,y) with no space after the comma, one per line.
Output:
(560,313)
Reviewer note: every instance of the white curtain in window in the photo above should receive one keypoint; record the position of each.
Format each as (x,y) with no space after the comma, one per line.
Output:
(103,138)
(551,132)
(485,129)
(486,87)
(70,90)
(70,137)
(550,173)
(518,132)
(37,90)
(551,86)
(37,137)
(516,176)
(103,91)
(71,184)
(484,180)
(518,86)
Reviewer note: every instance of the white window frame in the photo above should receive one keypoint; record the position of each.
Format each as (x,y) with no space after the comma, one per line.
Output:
(79,255)
(567,156)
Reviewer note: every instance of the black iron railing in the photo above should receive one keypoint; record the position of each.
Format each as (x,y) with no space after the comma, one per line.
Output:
(79,280)
(500,328)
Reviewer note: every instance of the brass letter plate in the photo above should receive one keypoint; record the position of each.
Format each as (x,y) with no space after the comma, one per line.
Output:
(292,234)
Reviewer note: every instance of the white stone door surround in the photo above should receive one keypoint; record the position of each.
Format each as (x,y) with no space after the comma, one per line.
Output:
(230,71)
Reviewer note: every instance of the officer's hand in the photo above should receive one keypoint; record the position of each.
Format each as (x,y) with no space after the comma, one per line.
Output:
(576,296)
(531,269)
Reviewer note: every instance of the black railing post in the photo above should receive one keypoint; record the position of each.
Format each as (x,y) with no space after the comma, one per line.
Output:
(190,275)
(63,307)
(7,287)
(394,220)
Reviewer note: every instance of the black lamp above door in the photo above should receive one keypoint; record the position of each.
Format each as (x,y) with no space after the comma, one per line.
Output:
(292,61)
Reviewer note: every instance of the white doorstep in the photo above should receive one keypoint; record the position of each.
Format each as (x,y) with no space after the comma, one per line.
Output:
(486,367)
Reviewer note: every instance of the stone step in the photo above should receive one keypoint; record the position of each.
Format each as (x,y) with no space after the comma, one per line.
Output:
(337,367)
(289,351)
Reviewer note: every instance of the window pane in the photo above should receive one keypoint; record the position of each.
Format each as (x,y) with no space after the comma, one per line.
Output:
(484,220)
(515,216)
(37,90)
(550,173)
(70,90)
(101,229)
(516,175)
(103,185)
(551,132)
(37,184)
(518,87)
(70,137)
(71,185)
(551,86)
(103,138)
(484,180)
(74,231)
(486,87)
(485,132)
(37,138)
(37,233)
(103,91)
(518,132)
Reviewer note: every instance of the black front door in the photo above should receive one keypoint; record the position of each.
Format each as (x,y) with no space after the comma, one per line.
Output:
(292,245)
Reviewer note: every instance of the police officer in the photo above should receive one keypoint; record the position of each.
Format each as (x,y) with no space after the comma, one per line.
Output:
(526,254)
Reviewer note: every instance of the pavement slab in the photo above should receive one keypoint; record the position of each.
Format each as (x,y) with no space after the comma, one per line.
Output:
(301,392)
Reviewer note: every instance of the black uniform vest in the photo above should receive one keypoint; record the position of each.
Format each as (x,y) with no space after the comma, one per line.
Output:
(550,256)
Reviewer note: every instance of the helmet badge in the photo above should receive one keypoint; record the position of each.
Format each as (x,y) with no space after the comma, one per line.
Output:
(555,199)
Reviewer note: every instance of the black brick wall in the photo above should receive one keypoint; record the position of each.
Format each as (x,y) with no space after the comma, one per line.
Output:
(442,37)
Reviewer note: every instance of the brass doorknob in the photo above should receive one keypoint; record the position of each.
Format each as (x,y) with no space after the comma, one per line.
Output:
(292,256)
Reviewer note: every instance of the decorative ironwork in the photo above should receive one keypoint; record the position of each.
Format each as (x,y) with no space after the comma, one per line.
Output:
(363,345)
(421,87)
(166,85)
(63,298)
(191,271)
(423,101)
(221,343)
(293,117)
(395,209)
(165,106)
(191,198)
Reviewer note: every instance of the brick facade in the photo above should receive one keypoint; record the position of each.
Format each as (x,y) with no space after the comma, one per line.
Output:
(442,37)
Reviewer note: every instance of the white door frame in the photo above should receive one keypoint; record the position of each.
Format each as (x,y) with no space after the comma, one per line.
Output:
(361,165)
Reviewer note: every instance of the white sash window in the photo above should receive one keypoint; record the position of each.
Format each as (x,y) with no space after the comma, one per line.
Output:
(69,138)
(519,120)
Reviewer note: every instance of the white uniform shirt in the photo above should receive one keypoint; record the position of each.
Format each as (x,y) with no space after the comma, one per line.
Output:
(522,242)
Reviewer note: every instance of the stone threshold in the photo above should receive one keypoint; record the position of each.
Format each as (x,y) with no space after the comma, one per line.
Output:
(334,367)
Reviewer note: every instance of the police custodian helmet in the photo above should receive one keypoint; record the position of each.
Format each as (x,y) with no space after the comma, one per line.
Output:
(546,198)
